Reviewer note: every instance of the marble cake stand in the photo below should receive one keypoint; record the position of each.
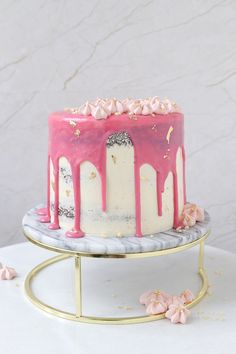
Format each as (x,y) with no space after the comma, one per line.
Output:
(113,247)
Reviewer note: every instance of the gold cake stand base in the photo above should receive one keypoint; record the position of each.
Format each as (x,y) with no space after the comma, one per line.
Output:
(78,315)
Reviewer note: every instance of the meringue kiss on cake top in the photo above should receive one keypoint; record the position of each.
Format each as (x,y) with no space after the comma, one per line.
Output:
(116,168)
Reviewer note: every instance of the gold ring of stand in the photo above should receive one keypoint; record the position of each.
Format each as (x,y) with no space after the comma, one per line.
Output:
(78,315)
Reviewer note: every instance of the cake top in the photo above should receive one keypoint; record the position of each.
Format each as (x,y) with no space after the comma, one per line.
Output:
(103,108)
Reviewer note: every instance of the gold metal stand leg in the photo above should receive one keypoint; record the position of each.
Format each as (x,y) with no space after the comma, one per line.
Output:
(201,256)
(78,287)
(202,274)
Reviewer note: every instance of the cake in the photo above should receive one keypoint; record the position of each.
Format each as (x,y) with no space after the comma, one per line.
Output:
(116,189)
(116,168)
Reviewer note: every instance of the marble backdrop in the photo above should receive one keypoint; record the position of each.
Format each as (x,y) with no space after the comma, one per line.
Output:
(57,53)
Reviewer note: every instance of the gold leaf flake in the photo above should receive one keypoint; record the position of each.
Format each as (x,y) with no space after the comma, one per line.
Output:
(77,132)
(154,127)
(174,104)
(169,134)
(132,116)
(68,192)
(209,291)
(72,110)
(121,307)
(72,123)
(162,106)
(128,308)
(144,178)
(92,175)
(113,158)
(69,109)
(157,292)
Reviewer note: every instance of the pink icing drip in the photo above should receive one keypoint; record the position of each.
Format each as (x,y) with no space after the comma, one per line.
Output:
(55,224)
(45,212)
(48,190)
(42,211)
(45,219)
(150,147)
(176,200)
(184,183)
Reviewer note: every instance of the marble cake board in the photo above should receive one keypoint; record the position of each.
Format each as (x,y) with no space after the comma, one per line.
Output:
(39,232)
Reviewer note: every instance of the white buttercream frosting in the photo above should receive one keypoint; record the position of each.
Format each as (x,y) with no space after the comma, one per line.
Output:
(103,108)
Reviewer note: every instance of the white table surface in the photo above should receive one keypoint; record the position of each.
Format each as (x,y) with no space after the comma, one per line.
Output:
(112,287)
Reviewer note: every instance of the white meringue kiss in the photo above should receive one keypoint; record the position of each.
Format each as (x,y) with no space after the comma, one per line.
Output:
(99,112)
(85,109)
(103,108)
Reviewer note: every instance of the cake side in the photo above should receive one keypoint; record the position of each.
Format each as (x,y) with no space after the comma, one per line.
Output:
(118,176)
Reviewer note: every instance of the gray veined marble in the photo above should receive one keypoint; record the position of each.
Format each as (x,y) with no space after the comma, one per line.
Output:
(111,245)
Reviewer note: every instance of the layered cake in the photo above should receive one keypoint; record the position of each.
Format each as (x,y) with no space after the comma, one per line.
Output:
(116,168)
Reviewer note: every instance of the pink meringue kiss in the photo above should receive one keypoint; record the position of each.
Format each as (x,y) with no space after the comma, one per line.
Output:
(159,302)
(177,312)
(191,214)
(157,295)
(146,297)
(187,296)
(156,307)
(7,273)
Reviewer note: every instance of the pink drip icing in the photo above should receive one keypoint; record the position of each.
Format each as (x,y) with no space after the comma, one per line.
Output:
(176,200)
(45,219)
(48,190)
(184,182)
(55,225)
(42,211)
(150,147)
(45,212)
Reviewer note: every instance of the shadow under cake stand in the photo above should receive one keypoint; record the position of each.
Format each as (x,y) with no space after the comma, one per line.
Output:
(159,244)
